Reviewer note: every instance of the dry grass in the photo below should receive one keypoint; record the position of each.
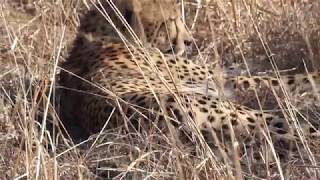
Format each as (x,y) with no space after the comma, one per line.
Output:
(258,35)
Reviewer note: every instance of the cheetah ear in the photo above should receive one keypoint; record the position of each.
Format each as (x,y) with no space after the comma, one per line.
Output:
(131,12)
(137,26)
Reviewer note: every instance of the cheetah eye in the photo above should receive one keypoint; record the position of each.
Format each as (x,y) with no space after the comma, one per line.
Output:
(172,18)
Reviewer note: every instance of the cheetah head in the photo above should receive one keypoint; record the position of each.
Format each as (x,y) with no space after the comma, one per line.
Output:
(155,23)
(163,26)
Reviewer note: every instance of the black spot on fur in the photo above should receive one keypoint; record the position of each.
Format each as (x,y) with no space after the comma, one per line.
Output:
(175,123)
(121,48)
(191,115)
(202,102)
(108,49)
(124,66)
(119,86)
(112,51)
(291,81)
(172,61)
(127,56)
(213,106)
(204,110)
(218,111)
(234,122)
(170,99)
(206,98)
(191,79)
(119,62)
(211,119)
(251,120)
(257,80)
(114,59)
(177,114)
(241,112)
(159,63)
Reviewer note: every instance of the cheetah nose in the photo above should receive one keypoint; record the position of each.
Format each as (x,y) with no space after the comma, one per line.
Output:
(187,42)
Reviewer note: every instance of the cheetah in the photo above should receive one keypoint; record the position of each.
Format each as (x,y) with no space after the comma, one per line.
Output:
(109,79)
